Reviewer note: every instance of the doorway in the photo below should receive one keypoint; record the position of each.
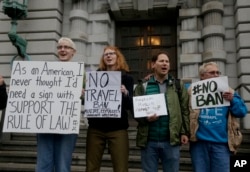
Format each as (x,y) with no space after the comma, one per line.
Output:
(139,41)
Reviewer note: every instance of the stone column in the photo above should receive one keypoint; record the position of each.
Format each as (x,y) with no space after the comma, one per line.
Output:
(78,28)
(189,37)
(213,33)
(101,30)
(242,25)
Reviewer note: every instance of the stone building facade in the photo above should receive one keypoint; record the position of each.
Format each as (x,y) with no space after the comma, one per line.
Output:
(206,30)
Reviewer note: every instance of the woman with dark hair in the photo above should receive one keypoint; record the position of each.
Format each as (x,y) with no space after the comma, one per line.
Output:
(112,131)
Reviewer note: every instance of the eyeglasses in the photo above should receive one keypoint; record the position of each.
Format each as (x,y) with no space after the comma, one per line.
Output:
(63,47)
(214,72)
(109,54)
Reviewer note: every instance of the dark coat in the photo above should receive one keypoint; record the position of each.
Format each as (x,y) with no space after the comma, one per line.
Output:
(3,96)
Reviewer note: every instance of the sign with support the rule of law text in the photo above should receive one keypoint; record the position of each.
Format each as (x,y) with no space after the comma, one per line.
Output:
(44,97)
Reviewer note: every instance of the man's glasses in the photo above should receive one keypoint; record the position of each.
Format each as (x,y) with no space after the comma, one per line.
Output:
(214,72)
(109,54)
(63,47)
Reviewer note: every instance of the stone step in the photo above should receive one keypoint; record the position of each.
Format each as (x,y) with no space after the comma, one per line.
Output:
(25,157)
(10,167)
(19,153)
(30,156)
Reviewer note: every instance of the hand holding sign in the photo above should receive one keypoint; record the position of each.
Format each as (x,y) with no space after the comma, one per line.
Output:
(228,96)
(152,118)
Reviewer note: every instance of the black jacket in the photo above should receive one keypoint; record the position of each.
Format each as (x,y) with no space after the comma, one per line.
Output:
(3,96)
(114,124)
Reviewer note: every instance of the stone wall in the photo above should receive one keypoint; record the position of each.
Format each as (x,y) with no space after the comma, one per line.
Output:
(208,30)
(241,13)
(41,29)
(47,21)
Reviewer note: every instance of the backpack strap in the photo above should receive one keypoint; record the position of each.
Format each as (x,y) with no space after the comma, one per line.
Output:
(145,86)
(178,87)
(140,88)
(179,92)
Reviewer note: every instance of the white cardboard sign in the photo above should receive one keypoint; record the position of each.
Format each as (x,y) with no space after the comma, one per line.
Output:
(208,93)
(103,94)
(149,105)
(44,97)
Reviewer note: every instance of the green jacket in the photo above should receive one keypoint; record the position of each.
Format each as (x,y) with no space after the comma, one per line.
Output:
(178,113)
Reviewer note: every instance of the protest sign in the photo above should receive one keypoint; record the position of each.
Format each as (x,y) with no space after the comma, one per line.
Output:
(44,97)
(208,93)
(149,105)
(103,94)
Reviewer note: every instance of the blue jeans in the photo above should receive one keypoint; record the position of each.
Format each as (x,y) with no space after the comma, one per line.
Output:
(155,151)
(210,157)
(54,152)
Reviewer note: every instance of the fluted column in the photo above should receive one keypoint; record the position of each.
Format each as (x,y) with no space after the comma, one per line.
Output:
(78,28)
(242,25)
(189,37)
(213,33)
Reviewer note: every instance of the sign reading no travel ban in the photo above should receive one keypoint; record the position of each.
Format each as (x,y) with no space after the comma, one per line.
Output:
(103,94)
